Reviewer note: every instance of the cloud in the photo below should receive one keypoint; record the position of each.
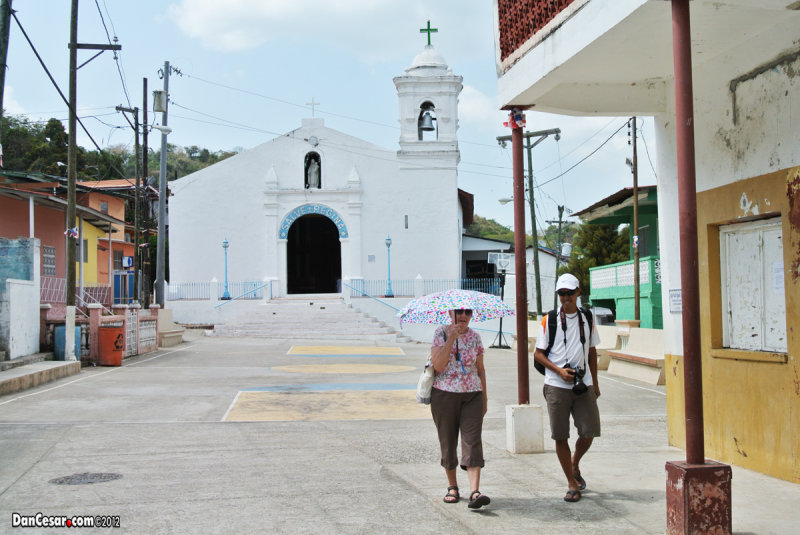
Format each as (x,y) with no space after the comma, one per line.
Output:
(478,110)
(375,30)
(10,104)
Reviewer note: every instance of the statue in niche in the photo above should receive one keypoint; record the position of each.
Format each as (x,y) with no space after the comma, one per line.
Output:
(313,172)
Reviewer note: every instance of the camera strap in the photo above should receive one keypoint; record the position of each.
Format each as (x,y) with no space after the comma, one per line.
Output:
(580,330)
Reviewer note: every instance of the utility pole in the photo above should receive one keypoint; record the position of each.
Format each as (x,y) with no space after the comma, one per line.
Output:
(5,25)
(72,172)
(162,196)
(135,126)
(145,266)
(634,170)
(558,251)
(541,135)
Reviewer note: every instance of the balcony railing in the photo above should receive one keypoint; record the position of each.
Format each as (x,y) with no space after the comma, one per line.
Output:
(519,20)
(613,278)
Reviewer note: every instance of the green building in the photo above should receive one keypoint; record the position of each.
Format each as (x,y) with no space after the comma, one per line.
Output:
(611,286)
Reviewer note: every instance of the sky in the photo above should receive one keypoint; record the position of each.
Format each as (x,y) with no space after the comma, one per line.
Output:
(248,70)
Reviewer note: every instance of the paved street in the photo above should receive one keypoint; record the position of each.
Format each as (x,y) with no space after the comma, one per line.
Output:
(241,435)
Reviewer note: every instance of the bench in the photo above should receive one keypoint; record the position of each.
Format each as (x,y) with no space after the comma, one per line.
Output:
(533,332)
(169,333)
(640,356)
(609,340)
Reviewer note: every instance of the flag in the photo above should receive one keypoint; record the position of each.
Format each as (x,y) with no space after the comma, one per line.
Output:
(516,119)
(71,232)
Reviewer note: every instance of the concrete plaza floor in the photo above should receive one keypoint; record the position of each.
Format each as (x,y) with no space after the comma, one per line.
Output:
(243,435)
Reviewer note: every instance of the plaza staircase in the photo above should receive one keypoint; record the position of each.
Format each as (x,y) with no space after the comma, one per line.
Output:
(307,317)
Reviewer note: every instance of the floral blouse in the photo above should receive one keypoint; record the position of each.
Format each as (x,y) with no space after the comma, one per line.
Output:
(459,376)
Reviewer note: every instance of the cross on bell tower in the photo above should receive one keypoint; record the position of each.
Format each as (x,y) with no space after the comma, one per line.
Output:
(429,31)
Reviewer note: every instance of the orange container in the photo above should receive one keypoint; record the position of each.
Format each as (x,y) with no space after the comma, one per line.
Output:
(112,343)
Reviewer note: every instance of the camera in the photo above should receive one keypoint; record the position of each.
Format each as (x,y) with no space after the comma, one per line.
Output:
(578,386)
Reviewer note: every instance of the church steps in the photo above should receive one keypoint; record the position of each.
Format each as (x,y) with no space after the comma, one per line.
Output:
(302,318)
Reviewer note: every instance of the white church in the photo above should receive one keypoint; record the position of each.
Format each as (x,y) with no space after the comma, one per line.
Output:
(313,208)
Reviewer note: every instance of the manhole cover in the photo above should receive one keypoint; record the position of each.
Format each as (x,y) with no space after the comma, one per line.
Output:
(86,478)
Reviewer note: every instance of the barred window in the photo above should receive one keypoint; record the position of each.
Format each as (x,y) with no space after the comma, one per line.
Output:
(48,261)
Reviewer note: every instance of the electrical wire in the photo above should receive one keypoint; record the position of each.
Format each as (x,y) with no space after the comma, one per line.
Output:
(585,157)
(116,57)
(52,80)
(647,151)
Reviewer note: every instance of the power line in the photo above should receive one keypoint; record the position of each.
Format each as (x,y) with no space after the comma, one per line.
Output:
(585,157)
(52,80)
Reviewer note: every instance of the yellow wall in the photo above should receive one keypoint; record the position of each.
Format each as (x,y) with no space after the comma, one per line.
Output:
(751,400)
(90,234)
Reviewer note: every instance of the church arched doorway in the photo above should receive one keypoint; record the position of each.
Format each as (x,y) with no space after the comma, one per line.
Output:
(313,256)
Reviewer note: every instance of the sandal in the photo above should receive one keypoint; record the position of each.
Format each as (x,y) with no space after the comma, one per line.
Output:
(452,497)
(579,480)
(476,502)
(572,496)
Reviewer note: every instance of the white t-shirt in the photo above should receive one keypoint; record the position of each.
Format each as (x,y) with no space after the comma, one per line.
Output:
(572,352)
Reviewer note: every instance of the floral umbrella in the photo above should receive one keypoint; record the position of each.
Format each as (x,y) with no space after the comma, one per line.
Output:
(434,308)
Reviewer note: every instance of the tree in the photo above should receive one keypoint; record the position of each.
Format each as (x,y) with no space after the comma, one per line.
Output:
(550,235)
(596,245)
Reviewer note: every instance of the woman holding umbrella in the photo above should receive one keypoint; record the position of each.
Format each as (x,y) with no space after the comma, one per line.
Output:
(459,402)
(458,397)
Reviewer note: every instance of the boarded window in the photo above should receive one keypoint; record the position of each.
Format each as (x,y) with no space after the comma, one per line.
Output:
(85,250)
(48,261)
(753,295)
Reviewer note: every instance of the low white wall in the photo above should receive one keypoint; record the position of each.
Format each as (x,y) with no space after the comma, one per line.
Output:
(23,317)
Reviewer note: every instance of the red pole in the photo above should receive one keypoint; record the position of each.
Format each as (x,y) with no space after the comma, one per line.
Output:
(687,210)
(520,264)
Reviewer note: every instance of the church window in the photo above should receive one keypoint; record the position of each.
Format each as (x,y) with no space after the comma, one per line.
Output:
(406,222)
(427,124)
(313,171)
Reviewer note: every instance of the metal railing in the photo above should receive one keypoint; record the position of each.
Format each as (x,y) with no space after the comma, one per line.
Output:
(400,287)
(54,290)
(407,288)
(188,290)
(256,291)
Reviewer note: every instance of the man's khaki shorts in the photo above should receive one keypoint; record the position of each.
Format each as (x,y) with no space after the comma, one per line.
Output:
(561,402)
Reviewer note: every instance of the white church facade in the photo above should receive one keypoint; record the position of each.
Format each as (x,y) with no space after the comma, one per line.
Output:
(312,209)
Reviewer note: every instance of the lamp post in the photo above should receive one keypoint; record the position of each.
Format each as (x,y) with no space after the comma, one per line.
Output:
(225,245)
(389,266)
(499,341)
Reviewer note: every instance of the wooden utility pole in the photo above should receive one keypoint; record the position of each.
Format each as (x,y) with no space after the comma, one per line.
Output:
(541,135)
(635,171)
(558,249)
(135,126)
(72,154)
(5,24)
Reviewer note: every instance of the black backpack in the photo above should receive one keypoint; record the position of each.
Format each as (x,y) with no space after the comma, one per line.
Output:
(552,325)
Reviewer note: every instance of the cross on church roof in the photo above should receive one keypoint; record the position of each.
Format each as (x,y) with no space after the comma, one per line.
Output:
(429,31)
(312,104)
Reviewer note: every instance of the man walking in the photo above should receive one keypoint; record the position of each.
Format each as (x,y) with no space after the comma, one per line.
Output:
(566,348)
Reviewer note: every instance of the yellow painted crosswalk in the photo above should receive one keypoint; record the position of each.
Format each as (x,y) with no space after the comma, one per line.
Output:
(338,399)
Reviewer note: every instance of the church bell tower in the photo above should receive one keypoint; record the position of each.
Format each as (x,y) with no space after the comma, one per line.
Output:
(428,97)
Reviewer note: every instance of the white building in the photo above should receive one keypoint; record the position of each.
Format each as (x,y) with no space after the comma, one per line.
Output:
(315,206)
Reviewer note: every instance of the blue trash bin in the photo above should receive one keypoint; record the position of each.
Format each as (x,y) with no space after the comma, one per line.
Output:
(60,342)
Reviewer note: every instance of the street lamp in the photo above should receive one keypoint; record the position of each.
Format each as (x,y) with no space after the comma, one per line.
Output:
(499,341)
(389,267)
(225,294)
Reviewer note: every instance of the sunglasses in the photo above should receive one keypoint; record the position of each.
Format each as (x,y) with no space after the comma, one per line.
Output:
(465,311)
(566,293)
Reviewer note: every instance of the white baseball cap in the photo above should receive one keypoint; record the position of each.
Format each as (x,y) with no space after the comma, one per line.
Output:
(567,282)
